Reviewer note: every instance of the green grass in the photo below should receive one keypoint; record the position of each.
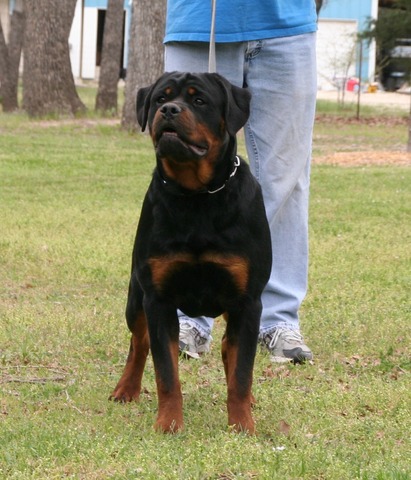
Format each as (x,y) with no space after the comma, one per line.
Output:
(70,199)
(337,129)
(352,137)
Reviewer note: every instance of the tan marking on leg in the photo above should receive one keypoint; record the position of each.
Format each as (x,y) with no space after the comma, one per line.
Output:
(129,386)
(238,404)
(170,402)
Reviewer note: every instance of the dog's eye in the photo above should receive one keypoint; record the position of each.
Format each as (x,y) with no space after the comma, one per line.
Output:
(161,99)
(199,101)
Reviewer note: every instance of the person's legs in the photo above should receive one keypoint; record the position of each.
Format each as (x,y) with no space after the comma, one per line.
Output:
(193,57)
(281,76)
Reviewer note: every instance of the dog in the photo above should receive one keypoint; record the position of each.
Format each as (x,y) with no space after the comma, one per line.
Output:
(202,243)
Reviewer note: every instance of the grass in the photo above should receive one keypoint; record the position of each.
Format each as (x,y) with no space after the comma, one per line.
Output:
(70,198)
(380,128)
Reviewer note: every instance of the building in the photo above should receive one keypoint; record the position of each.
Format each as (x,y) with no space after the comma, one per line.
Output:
(339,55)
(86,37)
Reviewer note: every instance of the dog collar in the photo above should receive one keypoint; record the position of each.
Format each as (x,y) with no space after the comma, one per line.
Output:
(177,190)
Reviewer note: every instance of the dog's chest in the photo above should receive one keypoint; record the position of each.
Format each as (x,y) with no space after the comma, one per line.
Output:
(205,271)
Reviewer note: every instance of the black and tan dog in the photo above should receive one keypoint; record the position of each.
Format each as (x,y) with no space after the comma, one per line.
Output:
(202,243)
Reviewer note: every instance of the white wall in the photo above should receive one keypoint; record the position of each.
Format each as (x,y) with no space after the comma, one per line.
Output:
(75,41)
(88,63)
(83,41)
(336,51)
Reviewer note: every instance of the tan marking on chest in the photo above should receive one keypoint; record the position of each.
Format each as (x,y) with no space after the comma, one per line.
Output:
(190,175)
(161,267)
(237,266)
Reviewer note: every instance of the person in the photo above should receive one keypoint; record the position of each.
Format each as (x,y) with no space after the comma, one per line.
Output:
(267,46)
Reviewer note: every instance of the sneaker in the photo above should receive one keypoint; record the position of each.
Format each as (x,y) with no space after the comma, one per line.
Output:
(192,341)
(285,345)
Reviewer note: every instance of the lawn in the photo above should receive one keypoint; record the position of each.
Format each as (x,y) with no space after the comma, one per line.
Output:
(70,195)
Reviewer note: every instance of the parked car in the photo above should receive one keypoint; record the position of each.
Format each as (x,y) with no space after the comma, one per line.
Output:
(398,71)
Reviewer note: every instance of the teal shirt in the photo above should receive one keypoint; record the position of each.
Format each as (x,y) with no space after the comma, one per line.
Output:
(239,20)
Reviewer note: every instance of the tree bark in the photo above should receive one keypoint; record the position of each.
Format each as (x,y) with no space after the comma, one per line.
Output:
(409,134)
(48,83)
(146,53)
(10,60)
(4,71)
(111,57)
(17,27)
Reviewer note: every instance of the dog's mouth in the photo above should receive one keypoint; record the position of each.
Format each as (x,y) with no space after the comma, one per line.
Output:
(171,138)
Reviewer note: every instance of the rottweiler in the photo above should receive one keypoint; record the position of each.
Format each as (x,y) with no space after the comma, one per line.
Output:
(202,243)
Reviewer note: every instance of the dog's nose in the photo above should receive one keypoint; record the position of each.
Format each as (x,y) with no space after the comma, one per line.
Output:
(170,110)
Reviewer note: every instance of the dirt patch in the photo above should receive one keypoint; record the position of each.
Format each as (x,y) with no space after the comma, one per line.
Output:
(82,122)
(350,159)
(386,121)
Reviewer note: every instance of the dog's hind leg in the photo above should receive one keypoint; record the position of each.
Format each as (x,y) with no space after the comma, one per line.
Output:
(129,386)
(238,351)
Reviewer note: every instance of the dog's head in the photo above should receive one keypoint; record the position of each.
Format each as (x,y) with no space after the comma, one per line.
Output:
(191,119)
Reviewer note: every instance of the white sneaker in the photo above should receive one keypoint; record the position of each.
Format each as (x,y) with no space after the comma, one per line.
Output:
(285,345)
(193,343)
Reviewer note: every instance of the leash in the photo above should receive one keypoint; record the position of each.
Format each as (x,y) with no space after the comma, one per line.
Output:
(211,54)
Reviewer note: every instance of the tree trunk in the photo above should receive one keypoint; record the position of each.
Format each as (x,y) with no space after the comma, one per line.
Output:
(146,53)
(48,83)
(17,27)
(5,87)
(111,57)
(10,60)
(409,134)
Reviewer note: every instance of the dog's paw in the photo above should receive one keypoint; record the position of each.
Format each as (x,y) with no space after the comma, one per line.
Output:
(243,426)
(125,394)
(167,425)
(240,419)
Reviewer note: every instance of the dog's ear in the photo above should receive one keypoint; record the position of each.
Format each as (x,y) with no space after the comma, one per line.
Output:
(143,105)
(237,109)
(144,98)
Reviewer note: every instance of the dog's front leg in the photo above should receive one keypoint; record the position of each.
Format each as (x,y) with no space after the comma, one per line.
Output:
(164,330)
(129,386)
(238,351)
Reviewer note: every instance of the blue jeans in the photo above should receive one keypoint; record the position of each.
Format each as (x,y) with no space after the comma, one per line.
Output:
(280,73)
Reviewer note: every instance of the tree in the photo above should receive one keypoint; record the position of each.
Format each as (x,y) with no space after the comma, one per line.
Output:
(146,53)
(10,58)
(340,57)
(48,83)
(386,36)
(4,72)
(381,30)
(111,57)
(409,133)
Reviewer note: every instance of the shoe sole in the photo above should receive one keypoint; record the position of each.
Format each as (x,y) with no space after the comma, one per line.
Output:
(295,356)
